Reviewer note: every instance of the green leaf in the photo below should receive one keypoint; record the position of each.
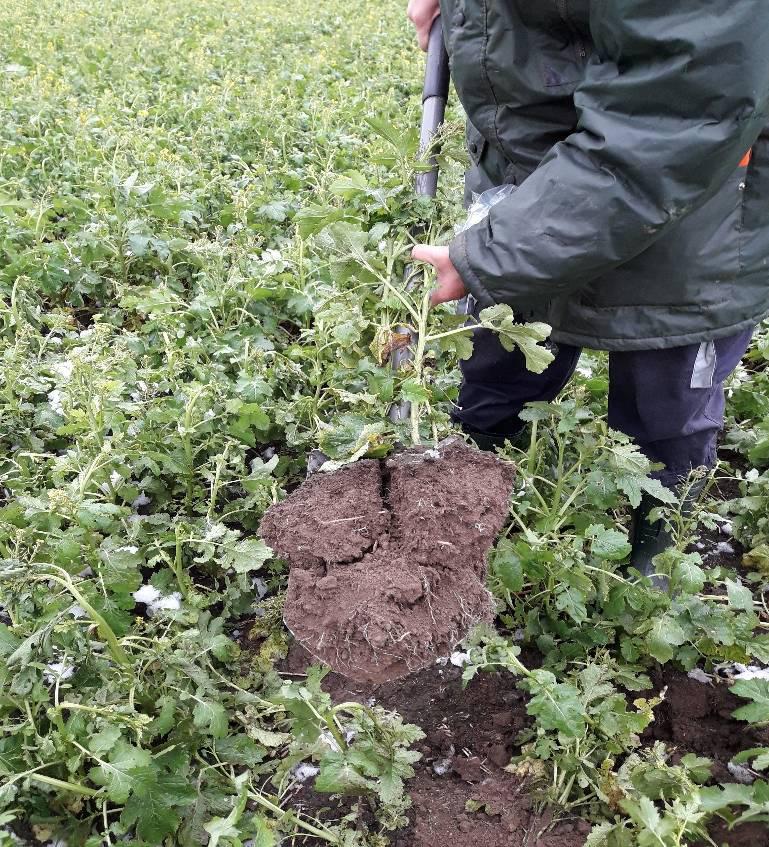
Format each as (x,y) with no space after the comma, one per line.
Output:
(461,344)
(120,567)
(756,690)
(263,833)
(661,492)
(526,337)
(153,806)
(665,634)
(211,718)
(403,143)
(758,756)
(740,597)
(606,543)
(687,574)
(8,641)
(351,437)
(249,555)
(506,565)
(249,423)
(120,775)
(105,740)
(761,762)
(312,218)
(219,828)
(339,776)
(644,813)
(715,798)
(555,705)
(414,392)
(572,601)
(165,719)
(268,737)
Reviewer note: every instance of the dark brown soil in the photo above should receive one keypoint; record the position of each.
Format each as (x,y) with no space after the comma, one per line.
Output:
(747,835)
(388,559)
(470,736)
(697,718)
(472,733)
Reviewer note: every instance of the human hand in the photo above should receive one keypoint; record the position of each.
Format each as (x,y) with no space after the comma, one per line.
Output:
(422,13)
(450,286)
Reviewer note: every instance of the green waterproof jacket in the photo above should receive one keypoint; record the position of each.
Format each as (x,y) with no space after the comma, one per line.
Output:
(625,124)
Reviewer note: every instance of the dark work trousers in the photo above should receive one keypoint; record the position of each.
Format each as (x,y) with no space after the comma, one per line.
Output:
(671,402)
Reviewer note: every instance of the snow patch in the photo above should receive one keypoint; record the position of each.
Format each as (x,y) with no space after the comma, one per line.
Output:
(57,671)
(699,675)
(304,771)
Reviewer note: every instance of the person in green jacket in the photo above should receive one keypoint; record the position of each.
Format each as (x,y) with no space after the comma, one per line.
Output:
(636,134)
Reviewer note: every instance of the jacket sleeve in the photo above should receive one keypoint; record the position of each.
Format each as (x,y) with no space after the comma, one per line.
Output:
(674,96)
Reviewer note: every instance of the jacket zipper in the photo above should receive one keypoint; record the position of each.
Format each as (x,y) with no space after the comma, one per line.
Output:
(579,44)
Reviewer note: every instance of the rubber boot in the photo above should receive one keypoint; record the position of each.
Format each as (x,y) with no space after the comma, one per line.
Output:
(650,538)
(491,443)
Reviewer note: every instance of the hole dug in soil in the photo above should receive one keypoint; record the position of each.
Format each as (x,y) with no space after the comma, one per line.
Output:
(472,733)
(388,558)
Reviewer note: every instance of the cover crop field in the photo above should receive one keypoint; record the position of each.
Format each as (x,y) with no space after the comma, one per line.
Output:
(204,220)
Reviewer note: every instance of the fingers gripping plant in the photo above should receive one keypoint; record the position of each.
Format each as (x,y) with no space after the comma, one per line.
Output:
(403,315)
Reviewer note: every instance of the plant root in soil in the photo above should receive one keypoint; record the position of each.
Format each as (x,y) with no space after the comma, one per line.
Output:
(388,558)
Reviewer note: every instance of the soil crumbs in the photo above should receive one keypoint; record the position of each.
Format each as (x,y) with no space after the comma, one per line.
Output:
(388,559)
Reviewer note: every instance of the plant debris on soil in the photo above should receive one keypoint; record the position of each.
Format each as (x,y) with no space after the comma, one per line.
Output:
(388,558)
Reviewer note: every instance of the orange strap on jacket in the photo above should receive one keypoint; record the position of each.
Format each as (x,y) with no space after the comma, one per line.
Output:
(746,159)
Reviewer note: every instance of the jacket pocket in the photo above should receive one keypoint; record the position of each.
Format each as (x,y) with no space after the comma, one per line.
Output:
(476,144)
(692,266)
(754,226)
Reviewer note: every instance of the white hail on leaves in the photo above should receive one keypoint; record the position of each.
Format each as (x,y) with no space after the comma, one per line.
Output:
(304,771)
(170,601)
(753,672)
(141,500)
(155,601)
(58,671)
(63,369)
(55,401)
(328,739)
(147,594)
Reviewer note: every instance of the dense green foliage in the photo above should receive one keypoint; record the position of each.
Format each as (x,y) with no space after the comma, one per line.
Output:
(204,216)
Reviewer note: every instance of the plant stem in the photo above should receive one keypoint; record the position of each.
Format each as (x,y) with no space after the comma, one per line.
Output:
(418,363)
(74,787)
(105,630)
(261,800)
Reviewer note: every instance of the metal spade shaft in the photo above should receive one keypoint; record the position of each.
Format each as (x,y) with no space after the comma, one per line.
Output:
(435,93)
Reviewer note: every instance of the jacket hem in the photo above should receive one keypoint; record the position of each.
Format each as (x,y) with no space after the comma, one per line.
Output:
(611,344)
